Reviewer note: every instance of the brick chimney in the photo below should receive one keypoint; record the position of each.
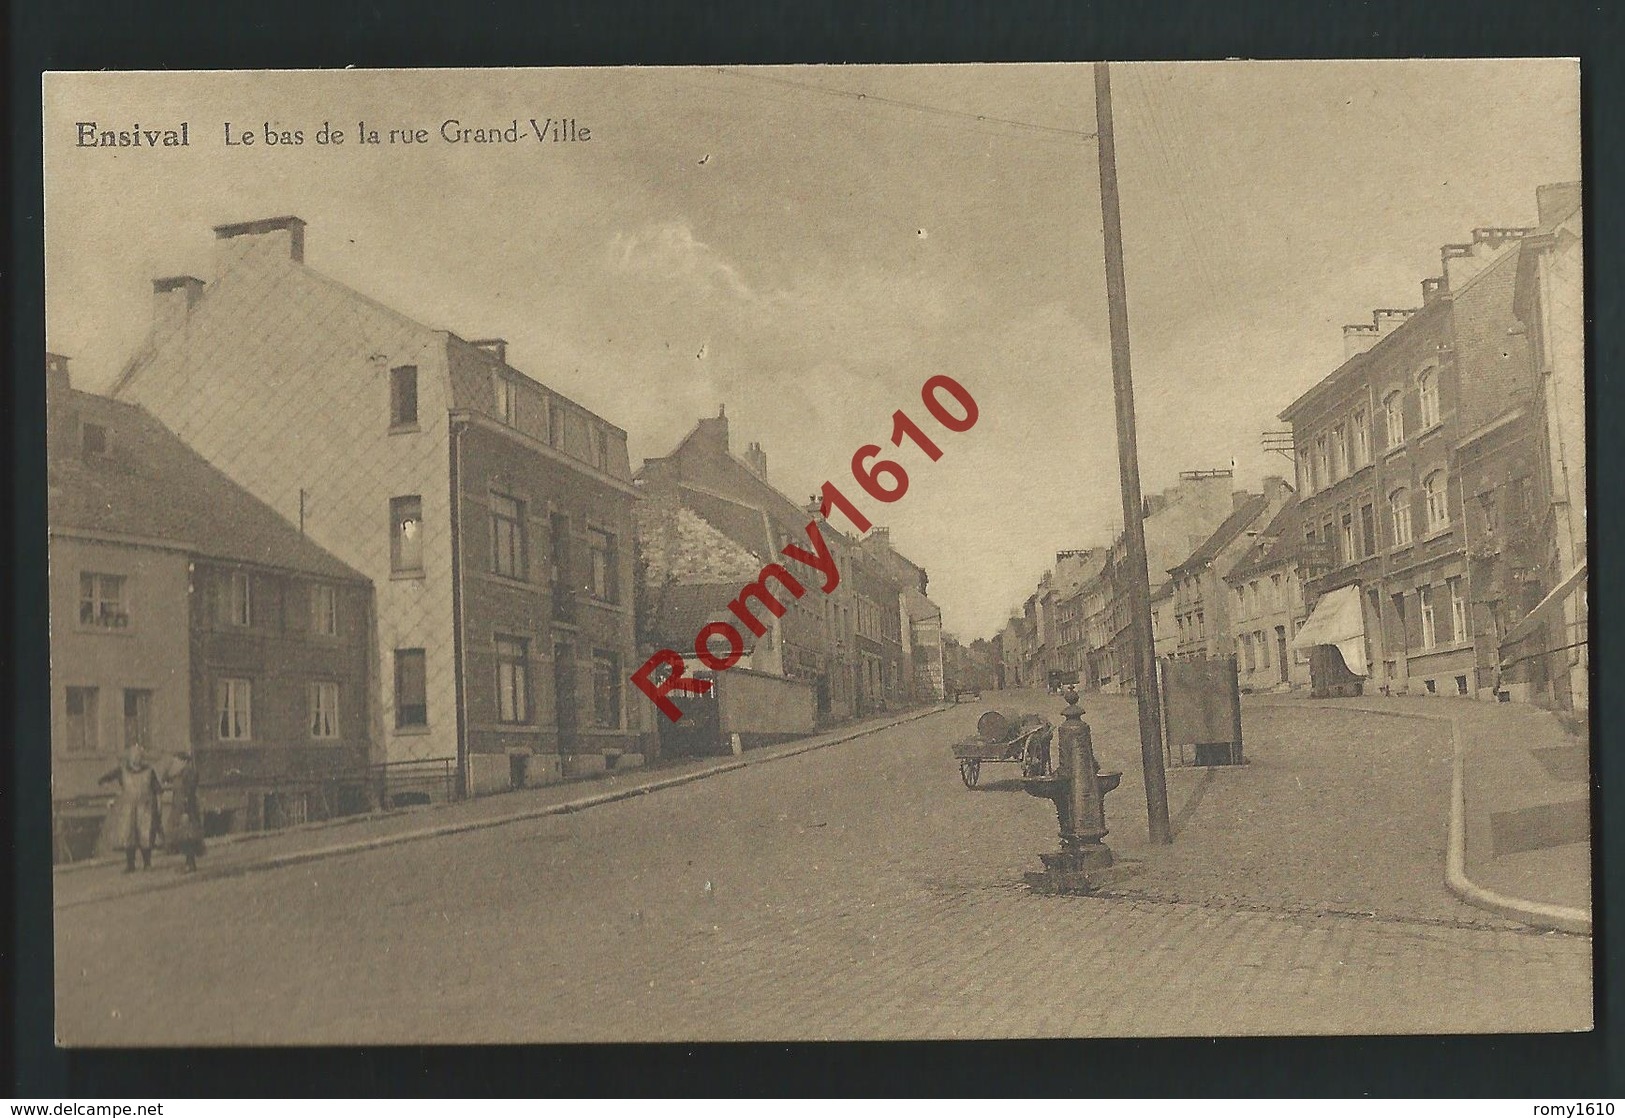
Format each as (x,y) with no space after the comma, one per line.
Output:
(1389,319)
(172,300)
(756,459)
(713,433)
(56,374)
(1556,200)
(238,238)
(496,347)
(1276,490)
(1358,338)
(1432,288)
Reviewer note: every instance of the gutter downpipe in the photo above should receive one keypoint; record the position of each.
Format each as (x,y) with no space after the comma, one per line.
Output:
(459,424)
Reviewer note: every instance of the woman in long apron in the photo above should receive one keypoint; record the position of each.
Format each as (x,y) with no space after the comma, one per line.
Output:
(134,815)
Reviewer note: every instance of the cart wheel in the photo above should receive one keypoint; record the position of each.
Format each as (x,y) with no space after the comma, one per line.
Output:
(970,772)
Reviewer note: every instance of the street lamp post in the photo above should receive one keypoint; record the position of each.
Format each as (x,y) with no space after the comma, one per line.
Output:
(1128,459)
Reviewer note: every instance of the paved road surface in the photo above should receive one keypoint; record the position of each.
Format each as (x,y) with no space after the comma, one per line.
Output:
(859,891)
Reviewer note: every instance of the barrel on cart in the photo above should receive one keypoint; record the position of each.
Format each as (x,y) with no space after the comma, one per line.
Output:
(999,739)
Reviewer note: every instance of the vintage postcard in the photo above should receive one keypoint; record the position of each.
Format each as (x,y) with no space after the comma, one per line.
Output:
(734,553)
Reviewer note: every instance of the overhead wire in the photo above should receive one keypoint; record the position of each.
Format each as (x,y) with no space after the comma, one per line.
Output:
(917,106)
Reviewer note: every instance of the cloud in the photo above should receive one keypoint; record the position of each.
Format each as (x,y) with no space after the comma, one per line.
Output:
(670,251)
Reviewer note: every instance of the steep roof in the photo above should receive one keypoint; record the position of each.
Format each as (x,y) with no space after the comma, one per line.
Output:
(153,486)
(1277,543)
(1233,526)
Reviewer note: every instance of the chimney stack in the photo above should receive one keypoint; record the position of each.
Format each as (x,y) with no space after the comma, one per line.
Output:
(497,347)
(1556,200)
(756,459)
(1358,338)
(56,374)
(713,432)
(1389,319)
(1433,288)
(237,239)
(172,300)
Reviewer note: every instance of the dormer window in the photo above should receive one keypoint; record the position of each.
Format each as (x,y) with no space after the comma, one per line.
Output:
(93,439)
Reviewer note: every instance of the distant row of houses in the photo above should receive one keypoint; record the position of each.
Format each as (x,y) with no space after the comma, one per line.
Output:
(346,558)
(1434,537)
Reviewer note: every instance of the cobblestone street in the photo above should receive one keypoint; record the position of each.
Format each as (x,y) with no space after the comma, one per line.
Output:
(857,891)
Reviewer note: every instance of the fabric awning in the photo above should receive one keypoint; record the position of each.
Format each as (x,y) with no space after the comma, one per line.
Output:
(1549,605)
(1338,620)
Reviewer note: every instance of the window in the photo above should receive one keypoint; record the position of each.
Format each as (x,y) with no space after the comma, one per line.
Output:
(1438,504)
(324,710)
(101,601)
(1348,537)
(555,425)
(137,718)
(513,679)
(240,599)
(1393,418)
(1322,470)
(1340,456)
(234,709)
(411,688)
(508,536)
(1399,508)
(1247,651)
(403,396)
(1306,472)
(324,611)
(406,535)
(1368,530)
(1427,392)
(600,449)
(93,439)
(1424,599)
(1360,450)
(1458,610)
(606,690)
(81,734)
(605,584)
(1263,649)
(507,398)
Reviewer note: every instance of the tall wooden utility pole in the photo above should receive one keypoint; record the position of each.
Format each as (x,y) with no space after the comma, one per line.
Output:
(1137,584)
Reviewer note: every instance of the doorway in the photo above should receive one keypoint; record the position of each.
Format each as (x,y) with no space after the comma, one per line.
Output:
(564,696)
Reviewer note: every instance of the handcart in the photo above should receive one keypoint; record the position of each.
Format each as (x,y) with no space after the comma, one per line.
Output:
(999,739)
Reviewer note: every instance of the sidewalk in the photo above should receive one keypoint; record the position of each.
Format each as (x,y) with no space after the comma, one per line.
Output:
(89,882)
(1349,808)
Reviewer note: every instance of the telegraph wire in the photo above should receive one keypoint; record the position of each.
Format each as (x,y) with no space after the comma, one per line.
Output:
(917,106)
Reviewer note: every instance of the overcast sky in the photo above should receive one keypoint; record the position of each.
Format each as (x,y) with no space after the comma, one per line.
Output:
(809,258)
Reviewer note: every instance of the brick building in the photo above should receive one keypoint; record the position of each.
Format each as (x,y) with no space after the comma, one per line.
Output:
(1381,500)
(493,514)
(186,615)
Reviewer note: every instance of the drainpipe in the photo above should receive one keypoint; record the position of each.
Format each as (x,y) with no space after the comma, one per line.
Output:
(459,424)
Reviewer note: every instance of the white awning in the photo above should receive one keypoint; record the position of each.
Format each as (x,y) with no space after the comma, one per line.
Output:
(1337,620)
(1549,605)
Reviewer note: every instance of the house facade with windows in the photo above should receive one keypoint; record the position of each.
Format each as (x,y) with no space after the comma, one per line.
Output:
(1202,607)
(492,513)
(206,624)
(848,645)
(1266,607)
(1381,500)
